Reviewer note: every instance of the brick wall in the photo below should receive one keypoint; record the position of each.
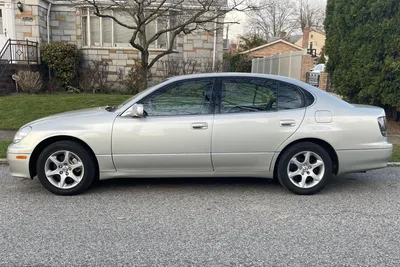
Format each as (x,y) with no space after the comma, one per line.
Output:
(278,48)
(307,63)
(323,80)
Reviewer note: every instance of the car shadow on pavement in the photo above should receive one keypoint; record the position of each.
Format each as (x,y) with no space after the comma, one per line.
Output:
(122,183)
(336,185)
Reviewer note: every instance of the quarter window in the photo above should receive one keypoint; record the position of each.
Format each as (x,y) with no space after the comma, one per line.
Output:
(181,98)
(289,97)
(248,95)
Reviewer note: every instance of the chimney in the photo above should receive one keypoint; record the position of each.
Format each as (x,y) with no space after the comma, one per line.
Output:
(306,36)
(282,35)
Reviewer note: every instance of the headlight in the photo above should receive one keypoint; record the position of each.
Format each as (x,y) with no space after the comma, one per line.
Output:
(21,134)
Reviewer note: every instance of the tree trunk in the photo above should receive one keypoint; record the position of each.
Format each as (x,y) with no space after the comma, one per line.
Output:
(396,114)
(143,73)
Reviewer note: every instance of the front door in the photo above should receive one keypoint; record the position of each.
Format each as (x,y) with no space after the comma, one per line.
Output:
(173,137)
(255,115)
(3,28)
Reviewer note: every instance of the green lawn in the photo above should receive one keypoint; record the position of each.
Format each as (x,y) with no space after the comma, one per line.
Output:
(396,154)
(16,110)
(3,148)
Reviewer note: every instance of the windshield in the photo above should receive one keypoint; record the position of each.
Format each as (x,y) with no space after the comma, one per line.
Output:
(138,94)
(129,99)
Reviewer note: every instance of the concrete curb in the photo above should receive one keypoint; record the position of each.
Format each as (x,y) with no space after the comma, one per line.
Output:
(390,164)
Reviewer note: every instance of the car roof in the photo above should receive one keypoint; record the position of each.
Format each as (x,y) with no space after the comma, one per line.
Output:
(233,74)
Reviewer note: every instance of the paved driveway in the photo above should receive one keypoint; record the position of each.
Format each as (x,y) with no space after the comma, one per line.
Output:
(216,222)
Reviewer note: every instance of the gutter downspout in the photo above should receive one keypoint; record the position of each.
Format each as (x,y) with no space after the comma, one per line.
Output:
(48,30)
(48,23)
(215,46)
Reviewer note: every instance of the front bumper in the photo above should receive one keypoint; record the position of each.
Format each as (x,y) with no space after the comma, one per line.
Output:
(19,167)
(363,160)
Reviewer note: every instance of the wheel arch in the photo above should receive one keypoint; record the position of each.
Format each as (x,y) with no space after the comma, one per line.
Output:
(325,145)
(46,142)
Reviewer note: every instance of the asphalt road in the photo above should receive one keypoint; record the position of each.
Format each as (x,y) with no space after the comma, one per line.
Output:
(202,222)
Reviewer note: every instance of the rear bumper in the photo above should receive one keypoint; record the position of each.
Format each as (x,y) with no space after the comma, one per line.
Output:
(363,160)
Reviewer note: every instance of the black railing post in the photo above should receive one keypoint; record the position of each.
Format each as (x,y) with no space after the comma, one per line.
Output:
(27,50)
(37,52)
(10,44)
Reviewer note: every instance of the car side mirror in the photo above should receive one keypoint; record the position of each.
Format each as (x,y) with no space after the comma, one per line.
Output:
(136,111)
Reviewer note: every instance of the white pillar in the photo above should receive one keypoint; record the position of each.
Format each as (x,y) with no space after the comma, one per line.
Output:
(10,18)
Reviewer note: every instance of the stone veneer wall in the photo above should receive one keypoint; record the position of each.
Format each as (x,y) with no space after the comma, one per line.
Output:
(31,23)
(66,26)
(120,60)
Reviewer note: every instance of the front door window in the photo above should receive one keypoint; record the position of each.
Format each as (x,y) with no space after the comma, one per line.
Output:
(191,97)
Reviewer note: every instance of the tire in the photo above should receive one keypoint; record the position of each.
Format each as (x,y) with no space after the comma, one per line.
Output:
(66,176)
(304,177)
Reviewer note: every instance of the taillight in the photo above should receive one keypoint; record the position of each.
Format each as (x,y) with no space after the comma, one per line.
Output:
(382,125)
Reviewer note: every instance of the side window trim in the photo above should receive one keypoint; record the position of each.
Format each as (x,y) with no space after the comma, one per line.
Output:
(212,99)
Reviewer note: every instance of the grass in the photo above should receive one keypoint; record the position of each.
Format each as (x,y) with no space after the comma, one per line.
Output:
(396,153)
(20,109)
(3,148)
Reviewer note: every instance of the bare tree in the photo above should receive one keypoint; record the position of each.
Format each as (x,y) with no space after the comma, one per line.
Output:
(173,18)
(274,17)
(311,14)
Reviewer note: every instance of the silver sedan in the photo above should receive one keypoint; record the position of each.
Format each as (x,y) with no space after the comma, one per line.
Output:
(207,125)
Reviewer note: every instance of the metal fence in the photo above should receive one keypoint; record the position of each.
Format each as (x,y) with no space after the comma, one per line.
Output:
(288,65)
(323,82)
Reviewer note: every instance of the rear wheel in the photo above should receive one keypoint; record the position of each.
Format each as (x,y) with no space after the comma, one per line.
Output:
(65,168)
(305,168)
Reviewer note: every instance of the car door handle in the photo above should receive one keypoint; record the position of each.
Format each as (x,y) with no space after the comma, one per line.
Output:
(199,125)
(289,123)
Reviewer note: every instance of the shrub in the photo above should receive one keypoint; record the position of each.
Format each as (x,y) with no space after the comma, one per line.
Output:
(133,83)
(29,81)
(63,58)
(237,63)
(95,77)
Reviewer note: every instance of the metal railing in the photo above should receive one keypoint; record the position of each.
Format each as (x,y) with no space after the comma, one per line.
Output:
(315,80)
(17,52)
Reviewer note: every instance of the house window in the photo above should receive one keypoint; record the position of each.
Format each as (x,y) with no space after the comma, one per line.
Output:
(104,32)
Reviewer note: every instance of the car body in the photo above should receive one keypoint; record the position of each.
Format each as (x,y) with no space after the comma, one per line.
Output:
(207,125)
(318,68)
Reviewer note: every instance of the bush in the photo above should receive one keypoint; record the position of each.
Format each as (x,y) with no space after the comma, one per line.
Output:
(95,77)
(63,58)
(29,81)
(133,82)
(362,43)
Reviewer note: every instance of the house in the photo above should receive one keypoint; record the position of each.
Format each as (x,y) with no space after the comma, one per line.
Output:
(316,39)
(42,21)
(279,46)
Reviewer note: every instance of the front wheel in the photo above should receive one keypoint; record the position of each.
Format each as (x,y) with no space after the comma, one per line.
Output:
(65,168)
(305,168)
